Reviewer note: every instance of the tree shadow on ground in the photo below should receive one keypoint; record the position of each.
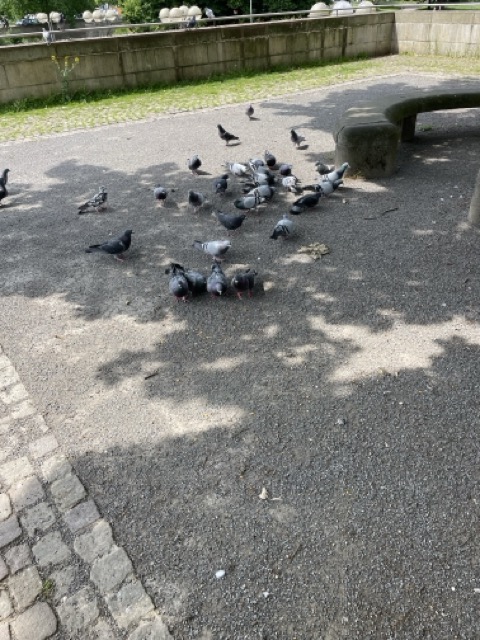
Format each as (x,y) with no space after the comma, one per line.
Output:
(369,524)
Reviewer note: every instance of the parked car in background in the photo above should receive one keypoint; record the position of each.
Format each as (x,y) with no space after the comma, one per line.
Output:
(27,21)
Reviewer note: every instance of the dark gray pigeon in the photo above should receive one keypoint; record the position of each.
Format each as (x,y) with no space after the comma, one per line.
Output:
(296,138)
(3,185)
(196,200)
(244,282)
(194,163)
(230,221)
(178,283)
(217,283)
(225,135)
(250,111)
(160,194)
(97,202)
(323,168)
(220,184)
(264,191)
(305,202)
(285,169)
(284,228)
(115,248)
(270,159)
(197,282)
(215,248)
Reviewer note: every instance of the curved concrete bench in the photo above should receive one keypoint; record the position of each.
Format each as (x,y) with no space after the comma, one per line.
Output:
(368,136)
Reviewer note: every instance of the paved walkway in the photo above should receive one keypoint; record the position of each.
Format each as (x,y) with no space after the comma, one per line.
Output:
(61,573)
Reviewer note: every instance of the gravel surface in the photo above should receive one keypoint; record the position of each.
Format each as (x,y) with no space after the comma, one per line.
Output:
(346,388)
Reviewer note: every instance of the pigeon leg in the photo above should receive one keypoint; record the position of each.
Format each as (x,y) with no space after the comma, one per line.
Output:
(120,257)
(250,294)
(239,295)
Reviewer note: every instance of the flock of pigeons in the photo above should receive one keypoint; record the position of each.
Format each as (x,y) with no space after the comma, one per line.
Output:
(259,179)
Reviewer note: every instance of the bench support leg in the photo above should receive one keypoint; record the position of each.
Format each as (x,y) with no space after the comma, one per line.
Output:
(474,213)
(408,128)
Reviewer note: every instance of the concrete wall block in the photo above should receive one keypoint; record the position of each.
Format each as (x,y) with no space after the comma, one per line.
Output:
(255,48)
(333,39)
(277,45)
(189,56)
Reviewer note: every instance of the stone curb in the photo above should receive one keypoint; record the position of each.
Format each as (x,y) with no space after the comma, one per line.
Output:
(61,573)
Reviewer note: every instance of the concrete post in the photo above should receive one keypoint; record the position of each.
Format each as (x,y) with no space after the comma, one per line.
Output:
(474,213)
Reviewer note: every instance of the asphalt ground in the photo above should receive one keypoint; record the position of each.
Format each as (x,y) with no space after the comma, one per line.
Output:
(347,387)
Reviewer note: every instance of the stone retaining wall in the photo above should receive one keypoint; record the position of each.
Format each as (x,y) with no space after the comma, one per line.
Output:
(167,57)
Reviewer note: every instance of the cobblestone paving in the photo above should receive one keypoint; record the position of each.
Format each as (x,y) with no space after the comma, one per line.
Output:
(61,574)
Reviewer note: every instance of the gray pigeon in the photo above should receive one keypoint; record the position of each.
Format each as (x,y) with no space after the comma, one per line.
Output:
(337,174)
(194,163)
(217,283)
(115,248)
(264,191)
(160,194)
(178,283)
(323,168)
(230,221)
(244,281)
(97,202)
(284,228)
(196,200)
(291,184)
(325,187)
(237,169)
(214,248)
(296,138)
(250,201)
(3,185)
(250,111)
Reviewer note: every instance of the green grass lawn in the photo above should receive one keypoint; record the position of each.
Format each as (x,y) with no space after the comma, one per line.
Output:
(36,118)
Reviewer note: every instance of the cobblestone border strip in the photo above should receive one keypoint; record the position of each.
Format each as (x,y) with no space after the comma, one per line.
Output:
(61,573)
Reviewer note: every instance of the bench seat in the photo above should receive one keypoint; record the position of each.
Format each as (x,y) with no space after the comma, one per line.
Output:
(368,136)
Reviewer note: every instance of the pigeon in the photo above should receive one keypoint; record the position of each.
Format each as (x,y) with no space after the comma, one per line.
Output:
(116,247)
(237,169)
(249,201)
(230,221)
(265,191)
(197,282)
(244,281)
(296,138)
(196,200)
(255,164)
(305,202)
(284,228)
(209,13)
(191,23)
(337,174)
(270,159)
(291,184)
(160,194)
(220,184)
(214,248)
(98,202)
(178,284)
(285,170)
(260,177)
(3,183)
(224,135)
(250,111)
(217,283)
(47,36)
(325,187)
(194,163)
(323,168)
